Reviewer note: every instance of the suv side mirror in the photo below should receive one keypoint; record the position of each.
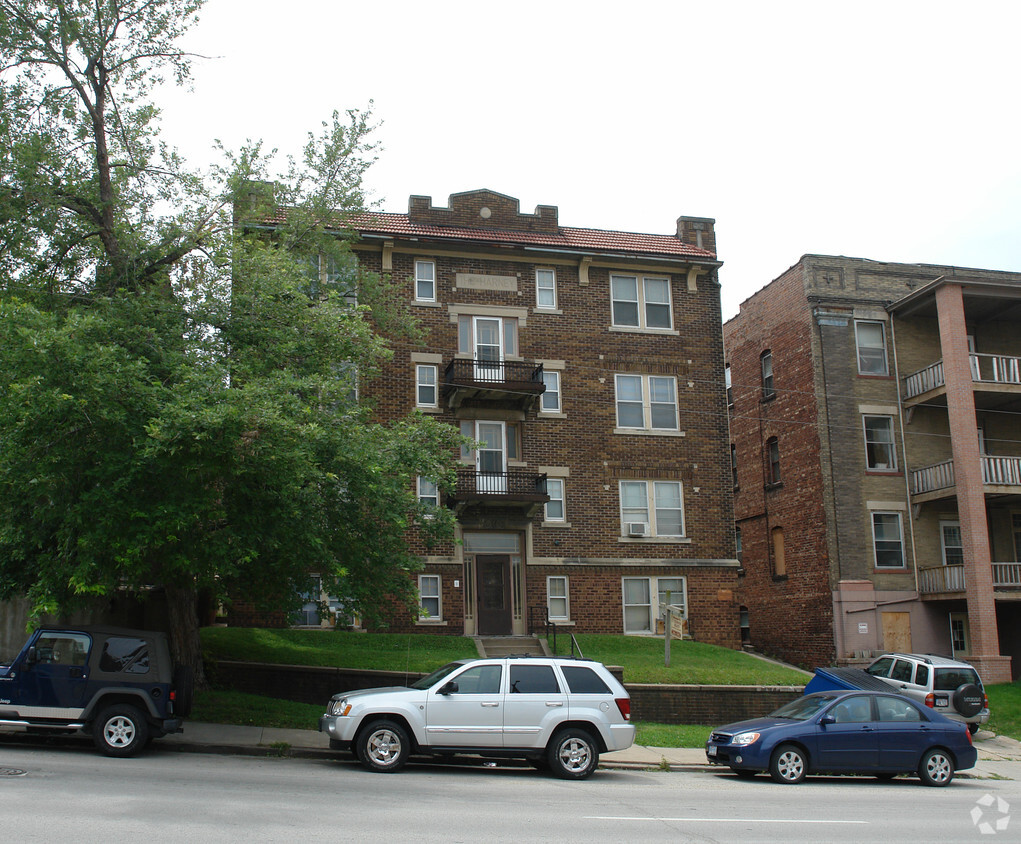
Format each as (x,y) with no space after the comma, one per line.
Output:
(448,688)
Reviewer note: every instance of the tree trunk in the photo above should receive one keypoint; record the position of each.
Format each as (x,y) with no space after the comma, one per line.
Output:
(185,644)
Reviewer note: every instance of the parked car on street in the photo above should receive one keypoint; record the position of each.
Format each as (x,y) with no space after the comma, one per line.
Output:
(558,713)
(846,732)
(951,687)
(117,685)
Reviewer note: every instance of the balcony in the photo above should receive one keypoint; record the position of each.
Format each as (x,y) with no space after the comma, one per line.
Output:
(944,580)
(1000,474)
(990,373)
(517,383)
(516,489)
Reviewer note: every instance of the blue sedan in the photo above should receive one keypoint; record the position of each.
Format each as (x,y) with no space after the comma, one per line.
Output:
(846,732)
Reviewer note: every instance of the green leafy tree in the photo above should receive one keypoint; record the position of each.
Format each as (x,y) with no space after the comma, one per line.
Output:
(179,405)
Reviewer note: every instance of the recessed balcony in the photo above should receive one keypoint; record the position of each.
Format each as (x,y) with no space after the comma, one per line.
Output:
(516,489)
(1001,475)
(992,375)
(939,581)
(518,383)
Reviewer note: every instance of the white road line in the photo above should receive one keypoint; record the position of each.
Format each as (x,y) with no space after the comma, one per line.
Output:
(719,820)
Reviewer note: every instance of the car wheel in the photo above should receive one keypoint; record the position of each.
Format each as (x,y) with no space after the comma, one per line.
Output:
(120,730)
(973,728)
(573,754)
(936,768)
(383,746)
(184,690)
(968,700)
(788,764)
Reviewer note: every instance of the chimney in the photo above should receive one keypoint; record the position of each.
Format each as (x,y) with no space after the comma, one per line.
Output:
(698,231)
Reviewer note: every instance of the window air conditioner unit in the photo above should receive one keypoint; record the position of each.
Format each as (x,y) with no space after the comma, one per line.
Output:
(637,528)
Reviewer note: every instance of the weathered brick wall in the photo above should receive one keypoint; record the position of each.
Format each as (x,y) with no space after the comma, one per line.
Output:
(679,704)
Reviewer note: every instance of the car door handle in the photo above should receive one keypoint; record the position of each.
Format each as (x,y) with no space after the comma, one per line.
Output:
(554,703)
(490,703)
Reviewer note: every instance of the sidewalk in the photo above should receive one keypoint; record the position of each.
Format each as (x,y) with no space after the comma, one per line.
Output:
(998,756)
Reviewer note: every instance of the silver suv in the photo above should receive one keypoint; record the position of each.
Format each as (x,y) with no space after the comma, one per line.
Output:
(558,713)
(951,687)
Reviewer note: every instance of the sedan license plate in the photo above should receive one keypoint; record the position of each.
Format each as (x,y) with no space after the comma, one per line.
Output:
(710,750)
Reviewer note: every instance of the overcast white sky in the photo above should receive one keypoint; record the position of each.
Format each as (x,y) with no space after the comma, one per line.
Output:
(885,130)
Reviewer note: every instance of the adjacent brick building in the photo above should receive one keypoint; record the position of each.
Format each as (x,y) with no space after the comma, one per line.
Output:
(876,449)
(590,363)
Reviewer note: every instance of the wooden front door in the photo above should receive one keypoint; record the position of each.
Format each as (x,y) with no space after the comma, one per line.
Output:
(492,574)
(897,632)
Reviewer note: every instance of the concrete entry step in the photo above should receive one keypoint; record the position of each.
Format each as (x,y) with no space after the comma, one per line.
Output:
(497,646)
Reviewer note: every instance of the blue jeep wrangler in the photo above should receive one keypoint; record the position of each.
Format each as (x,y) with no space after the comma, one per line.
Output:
(118,685)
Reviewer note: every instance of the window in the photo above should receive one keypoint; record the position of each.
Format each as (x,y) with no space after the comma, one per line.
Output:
(773,456)
(545,289)
(487,339)
(730,387)
(640,302)
(425,377)
(738,543)
(766,364)
(779,553)
(425,281)
(1015,524)
(645,600)
(428,492)
(480,680)
(646,402)
(871,341)
(896,709)
(551,397)
(852,710)
(880,454)
(657,504)
(533,679)
(953,545)
(558,601)
(429,596)
(733,463)
(584,681)
(555,505)
(888,540)
(66,649)
(129,655)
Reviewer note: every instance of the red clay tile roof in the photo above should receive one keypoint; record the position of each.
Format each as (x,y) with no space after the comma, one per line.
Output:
(572,239)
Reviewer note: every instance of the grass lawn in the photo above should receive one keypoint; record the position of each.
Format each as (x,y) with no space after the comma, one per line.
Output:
(1005,709)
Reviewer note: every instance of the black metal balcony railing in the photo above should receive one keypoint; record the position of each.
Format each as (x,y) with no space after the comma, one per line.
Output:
(502,375)
(513,484)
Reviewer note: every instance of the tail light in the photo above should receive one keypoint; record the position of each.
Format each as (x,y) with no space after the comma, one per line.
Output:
(985,700)
(930,700)
(624,705)
(967,732)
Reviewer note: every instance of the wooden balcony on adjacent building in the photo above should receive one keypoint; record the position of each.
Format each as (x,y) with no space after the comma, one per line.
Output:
(1001,475)
(517,382)
(948,581)
(991,374)
(516,489)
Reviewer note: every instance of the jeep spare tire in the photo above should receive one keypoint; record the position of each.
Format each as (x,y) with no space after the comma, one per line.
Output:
(184,690)
(969,700)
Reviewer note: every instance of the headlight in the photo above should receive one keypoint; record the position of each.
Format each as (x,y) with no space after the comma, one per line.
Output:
(744,739)
(339,706)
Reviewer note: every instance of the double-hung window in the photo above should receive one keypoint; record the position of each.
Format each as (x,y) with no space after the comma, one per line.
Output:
(555,506)
(558,601)
(426,390)
(429,597)
(428,492)
(773,458)
(659,505)
(646,402)
(640,302)
(545,289)
(550,402)
(870,338)
(880,455)
(888,540)
(953,544)
(425,281)
(766,364)
(645,600)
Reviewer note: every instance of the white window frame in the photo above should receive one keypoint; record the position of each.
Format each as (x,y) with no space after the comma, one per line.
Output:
(420,280)
(435,593)
(551,378)
(900,540)
(858,324)
(641,302)
(649,513)
(564,597)
(428,492)
(653,605)
(423,371)
(943,545)
(877,466)
(648,405)
(556,489)
(546,285)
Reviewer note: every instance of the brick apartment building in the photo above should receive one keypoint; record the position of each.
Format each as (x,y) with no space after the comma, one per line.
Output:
(590,363)
(876,456)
